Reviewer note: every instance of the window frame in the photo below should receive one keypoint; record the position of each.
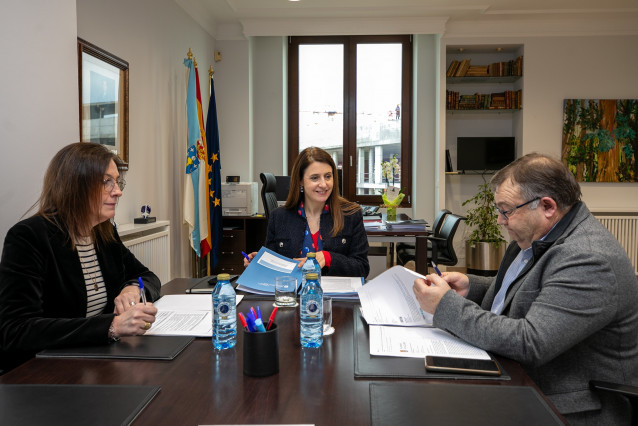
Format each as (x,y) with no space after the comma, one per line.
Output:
(349,107)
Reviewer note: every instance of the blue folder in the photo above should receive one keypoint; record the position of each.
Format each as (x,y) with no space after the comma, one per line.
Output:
(259,276)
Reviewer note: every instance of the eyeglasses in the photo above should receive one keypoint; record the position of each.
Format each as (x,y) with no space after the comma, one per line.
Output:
(109,184)
(507,213)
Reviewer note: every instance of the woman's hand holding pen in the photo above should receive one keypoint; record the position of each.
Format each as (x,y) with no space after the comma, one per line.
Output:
(128,297)
(248,257)
(135,321)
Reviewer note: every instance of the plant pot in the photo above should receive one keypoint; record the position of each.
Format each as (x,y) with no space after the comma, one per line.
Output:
(484,258)
(391,214)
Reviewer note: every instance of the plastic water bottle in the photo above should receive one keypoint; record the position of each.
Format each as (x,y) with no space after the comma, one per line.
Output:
(224,314)
(311,307)
(311,265)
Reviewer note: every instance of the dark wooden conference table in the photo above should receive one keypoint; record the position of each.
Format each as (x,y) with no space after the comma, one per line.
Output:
(202,386)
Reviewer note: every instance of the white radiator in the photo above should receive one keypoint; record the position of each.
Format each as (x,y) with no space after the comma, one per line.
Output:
(625,229)
(152,248)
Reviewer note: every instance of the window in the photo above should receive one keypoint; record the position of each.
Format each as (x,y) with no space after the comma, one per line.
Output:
(352,97)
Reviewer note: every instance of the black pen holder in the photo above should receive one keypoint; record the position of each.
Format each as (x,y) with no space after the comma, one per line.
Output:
(261,352)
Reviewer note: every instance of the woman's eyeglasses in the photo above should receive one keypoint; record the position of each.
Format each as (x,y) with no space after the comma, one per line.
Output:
(109,184)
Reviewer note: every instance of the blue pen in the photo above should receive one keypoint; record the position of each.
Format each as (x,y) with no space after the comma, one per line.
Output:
(142,292)
(259,313)
(259,325)
(251,323)
(436,268)
(246,256)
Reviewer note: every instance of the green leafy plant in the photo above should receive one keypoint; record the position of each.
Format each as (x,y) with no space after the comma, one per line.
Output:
(483,216)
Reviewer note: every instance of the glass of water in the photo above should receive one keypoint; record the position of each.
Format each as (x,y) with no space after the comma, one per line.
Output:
(285,291)
(328,329)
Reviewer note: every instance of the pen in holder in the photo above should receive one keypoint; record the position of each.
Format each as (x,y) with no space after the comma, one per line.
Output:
(261,352)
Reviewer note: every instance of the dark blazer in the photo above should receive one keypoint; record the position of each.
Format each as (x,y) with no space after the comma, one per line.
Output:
(43,292)
(349,249)
(569,317)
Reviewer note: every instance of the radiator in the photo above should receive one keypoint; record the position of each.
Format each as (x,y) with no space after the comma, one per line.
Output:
(153,250)
(625,229)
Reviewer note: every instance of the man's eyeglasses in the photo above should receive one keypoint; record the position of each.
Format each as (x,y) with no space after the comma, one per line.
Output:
(507,213)
(109,184)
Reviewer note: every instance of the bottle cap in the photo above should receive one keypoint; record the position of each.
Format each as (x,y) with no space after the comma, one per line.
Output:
(312,276)
(311,254)
(223,277)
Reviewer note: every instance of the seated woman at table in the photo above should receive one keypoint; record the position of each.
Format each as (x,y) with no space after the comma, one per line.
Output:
(316,218)
(66,279)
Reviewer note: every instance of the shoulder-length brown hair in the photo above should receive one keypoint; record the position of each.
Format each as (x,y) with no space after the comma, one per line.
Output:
(72,190)
(339,206)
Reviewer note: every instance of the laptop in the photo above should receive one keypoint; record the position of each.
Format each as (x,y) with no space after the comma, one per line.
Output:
(207,284)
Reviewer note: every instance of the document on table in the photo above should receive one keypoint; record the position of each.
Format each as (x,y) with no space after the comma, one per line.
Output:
(341,287)
(184,315)
(389,300)
(259,276)
(417,342)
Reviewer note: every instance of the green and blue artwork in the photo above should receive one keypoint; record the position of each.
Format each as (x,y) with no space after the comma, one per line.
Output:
(600,139)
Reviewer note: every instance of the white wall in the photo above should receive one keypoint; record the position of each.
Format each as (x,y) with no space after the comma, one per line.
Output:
(39,101)
(154,37)
(557,68)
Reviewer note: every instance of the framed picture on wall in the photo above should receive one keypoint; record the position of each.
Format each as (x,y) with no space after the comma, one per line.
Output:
(103,96)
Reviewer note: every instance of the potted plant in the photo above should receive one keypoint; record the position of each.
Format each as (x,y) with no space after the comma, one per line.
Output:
(392,196)
(486,246)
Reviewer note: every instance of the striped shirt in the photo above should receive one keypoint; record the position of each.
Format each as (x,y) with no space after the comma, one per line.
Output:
(95,289)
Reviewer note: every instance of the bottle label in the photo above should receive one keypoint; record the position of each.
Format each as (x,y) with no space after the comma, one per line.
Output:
(223,309)
(312,307)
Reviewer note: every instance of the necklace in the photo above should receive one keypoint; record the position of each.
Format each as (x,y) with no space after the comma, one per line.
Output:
(91,275)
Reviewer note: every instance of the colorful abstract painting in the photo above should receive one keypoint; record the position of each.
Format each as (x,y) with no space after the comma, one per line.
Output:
(600,139)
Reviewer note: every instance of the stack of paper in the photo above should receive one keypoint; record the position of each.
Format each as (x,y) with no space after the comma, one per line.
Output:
(407,225)
(341,287)
(398,326)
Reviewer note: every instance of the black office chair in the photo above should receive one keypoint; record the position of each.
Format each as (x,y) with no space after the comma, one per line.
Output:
(443,245)
(628,391)
(406,252)
(268,192)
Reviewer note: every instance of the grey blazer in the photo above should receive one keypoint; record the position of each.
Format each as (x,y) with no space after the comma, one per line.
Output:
(571,315)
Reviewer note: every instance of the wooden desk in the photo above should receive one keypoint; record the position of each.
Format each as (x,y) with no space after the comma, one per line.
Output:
(204,387)
(391,237)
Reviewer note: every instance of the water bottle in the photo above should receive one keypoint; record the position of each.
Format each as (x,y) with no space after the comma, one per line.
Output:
(224,314)
(311,307)
(311,265)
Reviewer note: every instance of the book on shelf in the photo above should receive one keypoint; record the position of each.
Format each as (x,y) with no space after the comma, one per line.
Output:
(477,71)
(451,70)
(462,69)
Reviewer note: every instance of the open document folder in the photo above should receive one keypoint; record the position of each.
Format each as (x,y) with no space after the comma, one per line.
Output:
(388,299)
(259,276)
(184,315)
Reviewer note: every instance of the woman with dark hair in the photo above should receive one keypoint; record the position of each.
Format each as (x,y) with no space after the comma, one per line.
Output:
(316,218)
(66,279)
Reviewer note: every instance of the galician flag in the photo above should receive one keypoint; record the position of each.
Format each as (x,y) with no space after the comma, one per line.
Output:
(195,212)
(204,180)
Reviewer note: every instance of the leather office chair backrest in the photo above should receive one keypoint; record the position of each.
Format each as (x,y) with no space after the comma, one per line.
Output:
(438,221)
(443,244)
(268,192)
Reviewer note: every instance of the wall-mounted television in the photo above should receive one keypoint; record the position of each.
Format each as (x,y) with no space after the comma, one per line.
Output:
(484,153)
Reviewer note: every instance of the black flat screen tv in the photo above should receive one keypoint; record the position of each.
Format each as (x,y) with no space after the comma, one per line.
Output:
(484,153)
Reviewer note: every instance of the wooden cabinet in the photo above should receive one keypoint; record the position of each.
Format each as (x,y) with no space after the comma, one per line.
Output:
(241,233)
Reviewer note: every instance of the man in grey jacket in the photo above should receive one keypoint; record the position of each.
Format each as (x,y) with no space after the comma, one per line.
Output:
(564,302)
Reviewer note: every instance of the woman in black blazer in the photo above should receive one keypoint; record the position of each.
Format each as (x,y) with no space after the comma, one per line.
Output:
(317,218)
(66,279)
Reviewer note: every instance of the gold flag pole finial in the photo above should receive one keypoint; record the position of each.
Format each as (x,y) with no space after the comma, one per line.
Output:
(211,71)
(189,55)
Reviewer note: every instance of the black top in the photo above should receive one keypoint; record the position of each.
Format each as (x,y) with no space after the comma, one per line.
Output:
(43,292)
(348,250)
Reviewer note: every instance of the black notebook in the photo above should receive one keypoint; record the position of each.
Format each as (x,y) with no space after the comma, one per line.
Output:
(71,405)
(457,404)
(132,347)
(207,284)
(371,366)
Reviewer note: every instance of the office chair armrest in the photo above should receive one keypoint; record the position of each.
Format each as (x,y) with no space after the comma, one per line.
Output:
(432,237)
(626,390)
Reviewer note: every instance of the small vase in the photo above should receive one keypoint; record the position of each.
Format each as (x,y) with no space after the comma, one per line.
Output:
(391,214)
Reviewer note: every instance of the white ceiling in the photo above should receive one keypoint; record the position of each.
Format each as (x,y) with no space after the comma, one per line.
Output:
(223,15)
